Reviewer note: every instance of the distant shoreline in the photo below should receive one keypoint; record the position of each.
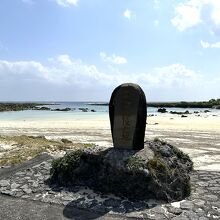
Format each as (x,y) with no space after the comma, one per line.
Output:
(7,106)
(213,103)
(21,106)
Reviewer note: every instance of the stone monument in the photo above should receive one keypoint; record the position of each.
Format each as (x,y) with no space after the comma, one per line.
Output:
(128,112)
(132,169)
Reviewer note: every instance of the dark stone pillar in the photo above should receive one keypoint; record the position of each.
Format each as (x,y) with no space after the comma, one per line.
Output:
(128,113)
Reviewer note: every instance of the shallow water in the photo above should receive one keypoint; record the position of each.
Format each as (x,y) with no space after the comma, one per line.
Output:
(100,111)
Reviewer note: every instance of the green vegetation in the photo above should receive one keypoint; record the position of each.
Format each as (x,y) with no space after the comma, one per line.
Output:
(25,147)
(62,168)
(184,158)
(135,163)
(212,103)
(160,140)
(171,179)
(19,106)
(156,164)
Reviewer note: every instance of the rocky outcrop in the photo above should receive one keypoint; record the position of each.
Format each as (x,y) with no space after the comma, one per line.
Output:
(84,109)
(162,110)
(42,108)
(206,111)
(179,113)
(62,109)
(158,171)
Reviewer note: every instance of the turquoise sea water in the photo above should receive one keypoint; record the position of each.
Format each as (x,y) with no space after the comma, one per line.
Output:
(100,111)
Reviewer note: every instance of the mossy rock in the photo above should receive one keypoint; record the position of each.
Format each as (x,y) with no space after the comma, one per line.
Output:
(159,171)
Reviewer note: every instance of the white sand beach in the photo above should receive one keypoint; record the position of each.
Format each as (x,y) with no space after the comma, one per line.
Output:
(166,121)
(197,136)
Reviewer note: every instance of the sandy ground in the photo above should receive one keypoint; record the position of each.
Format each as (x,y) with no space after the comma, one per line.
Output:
(197,136)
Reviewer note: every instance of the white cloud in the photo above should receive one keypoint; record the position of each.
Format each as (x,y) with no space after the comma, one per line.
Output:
(156,22)
(194,12)
(209,45)
(64,59)
(177,75)
(65,70)
(156,4)
(113,58)
(63,74)
(128,14)
(66,3)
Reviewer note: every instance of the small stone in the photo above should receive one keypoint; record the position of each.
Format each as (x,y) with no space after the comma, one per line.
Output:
(186,205)
(36,166)
(146,172)
(211,197)
(20,173)
(216,208)
(4,183)
(139,205)
(27,178)
(99,208)
(19,193)
(3,188)
(15,190)
(38,195)
(92,203)
(214,188)
(47,166)
(173,210)
(128,205)
(200,212)
(134,215)
(28,191)
(51,192)
(191,215)
(153,216)
(120,210)
(35,184)
(90,196)
(7,192)
(24,186)
(67,198)
(158,209)
(202,184)
(199,202)
(65,203)
(14,186)
(25,197)
(111,203)
(41,177)
(104,197)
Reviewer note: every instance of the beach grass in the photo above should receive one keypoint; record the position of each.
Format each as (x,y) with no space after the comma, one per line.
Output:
(23,148)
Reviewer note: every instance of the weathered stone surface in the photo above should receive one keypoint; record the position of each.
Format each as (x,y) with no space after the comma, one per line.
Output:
(128,112)
(186,205)
(143,174)
(4,183)
(14,186)
(94,201)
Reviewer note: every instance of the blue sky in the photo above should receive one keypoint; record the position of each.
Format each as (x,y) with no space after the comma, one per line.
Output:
(78,50)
